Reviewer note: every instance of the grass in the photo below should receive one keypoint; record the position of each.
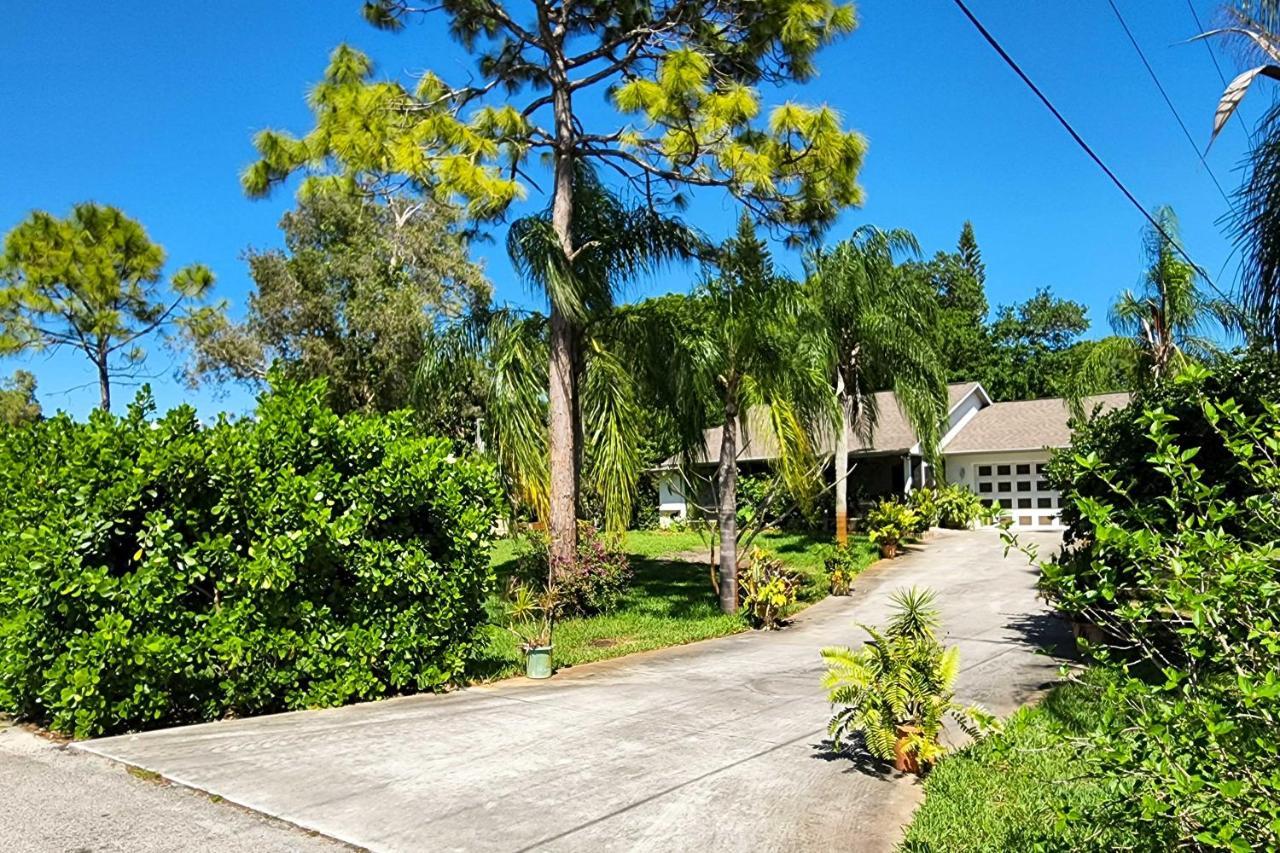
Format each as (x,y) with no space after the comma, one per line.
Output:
(1005,792)
(671,600)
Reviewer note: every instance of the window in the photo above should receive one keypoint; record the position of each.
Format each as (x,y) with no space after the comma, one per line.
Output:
(984,470)
(1046,519)
(1002,470)
(1024,503)
(1024,485)
(1041,467)
(984,488)
(1042,485)
(1024,520)
(1004,486)
(1006,503)
(1024,470)
(1044,503)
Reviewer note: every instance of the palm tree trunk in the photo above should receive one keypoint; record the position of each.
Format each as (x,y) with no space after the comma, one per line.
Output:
(562,521)
(842,463)
(727,510)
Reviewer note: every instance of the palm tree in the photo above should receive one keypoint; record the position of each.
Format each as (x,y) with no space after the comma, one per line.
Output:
(506,354)
(1160,328)
(1256,217)
(882,331)
(744,339)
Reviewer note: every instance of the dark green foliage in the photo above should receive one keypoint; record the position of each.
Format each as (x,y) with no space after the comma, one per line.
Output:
(18,403)
(1175,512)
(594,583)
(155,572)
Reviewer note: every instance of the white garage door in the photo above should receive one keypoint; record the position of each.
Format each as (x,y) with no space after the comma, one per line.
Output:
(1020,488)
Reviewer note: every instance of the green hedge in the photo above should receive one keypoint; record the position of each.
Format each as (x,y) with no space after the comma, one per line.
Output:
(157,571)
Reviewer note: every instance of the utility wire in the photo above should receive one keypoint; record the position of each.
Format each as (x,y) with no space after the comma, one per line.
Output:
(1017,69)
(1168,101)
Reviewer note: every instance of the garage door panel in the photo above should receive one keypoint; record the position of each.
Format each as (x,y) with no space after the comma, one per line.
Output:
(1020,488)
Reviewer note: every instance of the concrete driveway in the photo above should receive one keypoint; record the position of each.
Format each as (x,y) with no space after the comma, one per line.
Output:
(714,746)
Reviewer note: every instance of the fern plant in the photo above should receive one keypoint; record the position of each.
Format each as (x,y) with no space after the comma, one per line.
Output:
(895,691)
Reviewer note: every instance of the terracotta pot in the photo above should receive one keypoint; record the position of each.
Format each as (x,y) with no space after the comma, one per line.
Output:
(1091,632)
(904,761)
(888,550)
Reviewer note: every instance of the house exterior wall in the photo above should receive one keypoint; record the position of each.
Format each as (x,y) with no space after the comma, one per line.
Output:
(672,503)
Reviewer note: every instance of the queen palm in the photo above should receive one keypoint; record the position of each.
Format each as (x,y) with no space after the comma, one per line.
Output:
(881,328)
(1162,326)
(744,340)
(617,243)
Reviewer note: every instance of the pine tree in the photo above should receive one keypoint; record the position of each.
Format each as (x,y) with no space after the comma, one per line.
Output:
(688,73)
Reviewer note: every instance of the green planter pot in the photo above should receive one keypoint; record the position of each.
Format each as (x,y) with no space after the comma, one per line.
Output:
(537,661)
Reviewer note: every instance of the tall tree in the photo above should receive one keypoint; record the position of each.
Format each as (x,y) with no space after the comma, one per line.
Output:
(971,255)
(686,69)
(621,243)
(882,333)
(18,404)
(90,282)
(353,297)
(748,340)
(1162,326)
(1035,347)
(958,280)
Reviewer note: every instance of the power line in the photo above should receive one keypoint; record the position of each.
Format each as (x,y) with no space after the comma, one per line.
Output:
(1168,101)
(1017,69)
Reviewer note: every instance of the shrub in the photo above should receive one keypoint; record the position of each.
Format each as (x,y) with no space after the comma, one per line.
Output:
(842,565)
(897,689)
(155,572)
(1175,536)
(596,581)
(767,589)
(957,507)
(923,502)
(888,523)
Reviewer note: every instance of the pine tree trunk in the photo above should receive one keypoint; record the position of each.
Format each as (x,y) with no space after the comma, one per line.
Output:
(727,511)
(562,521)
(104,384)
(842,464)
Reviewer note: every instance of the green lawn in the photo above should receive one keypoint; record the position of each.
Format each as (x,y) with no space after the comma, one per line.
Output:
(1004,792)
(671,601)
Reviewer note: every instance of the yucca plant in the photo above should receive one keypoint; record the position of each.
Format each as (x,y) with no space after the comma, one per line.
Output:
(896,690)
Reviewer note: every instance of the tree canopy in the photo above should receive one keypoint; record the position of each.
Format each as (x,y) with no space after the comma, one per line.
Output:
(353,297)
(18,404)
(90,282)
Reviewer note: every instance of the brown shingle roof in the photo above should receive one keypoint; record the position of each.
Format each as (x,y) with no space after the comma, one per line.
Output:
(1024,425)
(893,434)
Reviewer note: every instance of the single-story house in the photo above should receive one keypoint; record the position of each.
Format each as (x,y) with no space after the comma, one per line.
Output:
(997,450)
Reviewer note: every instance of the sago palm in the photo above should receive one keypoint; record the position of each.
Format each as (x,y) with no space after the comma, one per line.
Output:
(900,686)
(882,333)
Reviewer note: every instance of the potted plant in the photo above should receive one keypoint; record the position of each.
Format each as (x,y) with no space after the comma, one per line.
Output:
(895,691)
(888,523)
(531,617)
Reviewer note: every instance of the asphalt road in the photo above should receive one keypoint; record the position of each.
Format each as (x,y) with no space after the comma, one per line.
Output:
(55,799)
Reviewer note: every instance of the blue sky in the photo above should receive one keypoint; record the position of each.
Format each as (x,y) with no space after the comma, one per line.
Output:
(151,107)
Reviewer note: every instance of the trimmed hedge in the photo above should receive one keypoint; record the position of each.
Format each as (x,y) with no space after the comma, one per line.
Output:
(155,571)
